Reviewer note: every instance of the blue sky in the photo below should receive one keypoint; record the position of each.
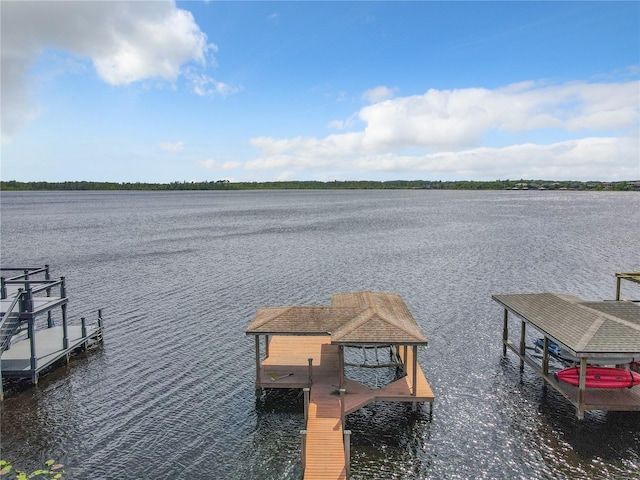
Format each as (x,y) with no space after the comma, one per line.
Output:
(257,91)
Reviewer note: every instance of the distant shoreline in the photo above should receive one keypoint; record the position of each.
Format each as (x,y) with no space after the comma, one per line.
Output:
(633,185)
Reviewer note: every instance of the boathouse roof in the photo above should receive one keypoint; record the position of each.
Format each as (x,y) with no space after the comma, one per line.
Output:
(352,318)
(586,328)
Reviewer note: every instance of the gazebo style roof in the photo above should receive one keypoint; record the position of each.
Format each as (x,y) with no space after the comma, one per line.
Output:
(586,328)
(352,318)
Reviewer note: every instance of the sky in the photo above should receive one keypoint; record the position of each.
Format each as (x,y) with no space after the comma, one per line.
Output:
(164,91)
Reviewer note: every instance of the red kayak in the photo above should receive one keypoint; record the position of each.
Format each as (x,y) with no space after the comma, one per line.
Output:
(601,377)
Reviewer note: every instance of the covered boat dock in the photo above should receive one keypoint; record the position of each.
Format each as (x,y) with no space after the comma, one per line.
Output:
(305,348)
(592,331)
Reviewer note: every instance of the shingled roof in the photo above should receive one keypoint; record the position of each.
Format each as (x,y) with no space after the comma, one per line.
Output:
(360,317)
(584,327)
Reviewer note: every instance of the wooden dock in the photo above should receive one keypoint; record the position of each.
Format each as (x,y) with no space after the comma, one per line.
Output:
(325,445)
(304,347)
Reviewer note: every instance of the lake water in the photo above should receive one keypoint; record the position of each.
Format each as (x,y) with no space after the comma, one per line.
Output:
(169,395)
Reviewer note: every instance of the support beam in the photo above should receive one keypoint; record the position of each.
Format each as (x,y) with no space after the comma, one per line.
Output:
(545,356)
(582,386)
(404,360)
(32,342)
(310,371)
(65,333)
(341,361)
(342,406)
(505,332)
(303,436)
(257,340)
(347,452)
(414,379)
(523,328)
(307,398)
(266,346)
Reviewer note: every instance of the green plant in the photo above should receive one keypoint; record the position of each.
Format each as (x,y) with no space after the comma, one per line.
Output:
(51,471)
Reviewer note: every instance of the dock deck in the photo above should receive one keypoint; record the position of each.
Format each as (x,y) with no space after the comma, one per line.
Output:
(287,366)
(16,361)
(25,296)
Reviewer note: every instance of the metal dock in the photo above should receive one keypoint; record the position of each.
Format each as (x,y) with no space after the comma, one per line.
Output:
(30,340)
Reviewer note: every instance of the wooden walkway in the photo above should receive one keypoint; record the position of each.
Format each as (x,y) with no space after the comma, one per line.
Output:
(287,366)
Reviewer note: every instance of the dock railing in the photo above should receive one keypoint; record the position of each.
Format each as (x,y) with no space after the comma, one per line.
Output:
(10,323)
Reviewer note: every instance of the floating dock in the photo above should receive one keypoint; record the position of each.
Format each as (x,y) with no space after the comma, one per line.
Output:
(591,332)
(304,349)
(30,341)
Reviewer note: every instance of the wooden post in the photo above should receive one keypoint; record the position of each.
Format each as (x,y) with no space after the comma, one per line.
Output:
(100,319)
(342,392)
(83,324)
(545,356)
(266,346)
(303,435)
(307,394)
(618,280)
(415,371)
(347,452)
(310,373)
(341,358)
(404,360)
(505,332)
(523,328)
(257,339)
(3,289)
(582,386)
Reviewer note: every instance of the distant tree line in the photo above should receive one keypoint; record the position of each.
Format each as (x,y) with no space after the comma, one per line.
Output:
(333,185)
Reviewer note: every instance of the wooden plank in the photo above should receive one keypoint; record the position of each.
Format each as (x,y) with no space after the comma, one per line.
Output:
(325,448)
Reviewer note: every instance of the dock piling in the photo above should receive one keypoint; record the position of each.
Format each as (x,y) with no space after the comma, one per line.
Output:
(347,452)
(303,437)
(307,395)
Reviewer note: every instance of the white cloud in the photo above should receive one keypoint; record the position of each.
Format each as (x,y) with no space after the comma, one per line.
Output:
(586,159)
(378,94)
(214,165)
(203,85)
(445,131)
(172,147)
(126,42)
